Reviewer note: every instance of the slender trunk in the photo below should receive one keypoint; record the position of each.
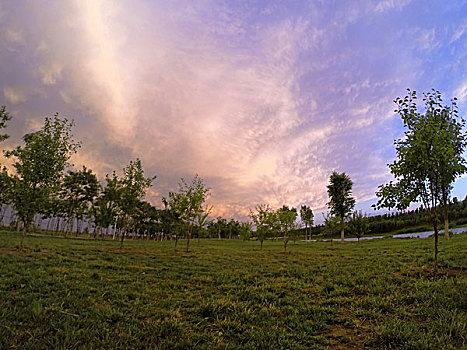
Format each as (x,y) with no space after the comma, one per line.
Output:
(121,241)
(342,229)
(261,241)
(23,233)
(188,239)
(446,219)
(219,233)
(436,249)
(434,218)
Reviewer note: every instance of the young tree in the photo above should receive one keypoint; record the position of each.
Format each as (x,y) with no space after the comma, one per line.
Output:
(133,186)
(188,202)
(79,190)
(429,157)
(306,215)
(202,221)
(331,225)
(39,167)
(358,224)
(265,220)
(245,231)
(105,207)
(341,201)
(286,218)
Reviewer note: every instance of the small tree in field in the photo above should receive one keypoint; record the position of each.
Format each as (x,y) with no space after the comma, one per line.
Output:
(132,190)
(358,224)
(39,165)
(245,231)
(265,220)
(188,202)
(341,201)
(429,156)
(331,225)
(306,215)
(286,218)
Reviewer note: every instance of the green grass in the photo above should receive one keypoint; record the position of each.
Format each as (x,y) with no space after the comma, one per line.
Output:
(70,294)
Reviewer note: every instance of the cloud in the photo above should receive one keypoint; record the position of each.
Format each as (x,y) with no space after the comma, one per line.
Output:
(14,95)
(264,101)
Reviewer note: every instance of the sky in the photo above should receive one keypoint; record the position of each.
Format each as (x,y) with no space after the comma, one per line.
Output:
(262,99)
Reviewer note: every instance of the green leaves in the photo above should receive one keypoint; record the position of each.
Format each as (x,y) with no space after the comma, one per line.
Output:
(429,156)
(341,201)
(4,118)
(40,165)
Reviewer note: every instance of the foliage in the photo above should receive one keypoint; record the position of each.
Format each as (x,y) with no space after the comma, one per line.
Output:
(132,190)
(341,201)
(245,231)
(306,216)
(286,219)
(188,202)
(429,156)
(4,118)
(358,224)
(40,165)
(331,224)
(265,221)
(79,190)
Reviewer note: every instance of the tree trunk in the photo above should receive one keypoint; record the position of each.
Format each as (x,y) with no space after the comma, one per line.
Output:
(188,239)
(261,241)
(121,241)
(446,220)
(436,249)
(342,234)
(23,233)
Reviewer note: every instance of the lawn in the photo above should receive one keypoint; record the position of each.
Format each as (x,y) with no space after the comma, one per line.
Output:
(73,294)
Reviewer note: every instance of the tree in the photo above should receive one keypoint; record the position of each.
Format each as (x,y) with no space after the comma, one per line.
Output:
(202,220)
(4,118)
(286,218)
(341,201)
(132,189)
(4,181)
(429,157)
(79,190)
(105,207)
(39,167)
(331,225)
(265,220)
(245,231)
(358,224)
(306,215)
(188,202)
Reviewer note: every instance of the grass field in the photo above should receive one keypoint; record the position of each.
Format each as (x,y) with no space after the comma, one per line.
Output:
(70,294)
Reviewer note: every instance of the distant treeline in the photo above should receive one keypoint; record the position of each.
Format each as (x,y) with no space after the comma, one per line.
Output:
(408,221)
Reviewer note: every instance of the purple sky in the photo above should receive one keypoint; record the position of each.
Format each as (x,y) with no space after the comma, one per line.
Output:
(263,99)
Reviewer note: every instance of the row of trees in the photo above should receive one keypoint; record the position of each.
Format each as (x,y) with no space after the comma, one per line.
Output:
(41,186)
(428,160)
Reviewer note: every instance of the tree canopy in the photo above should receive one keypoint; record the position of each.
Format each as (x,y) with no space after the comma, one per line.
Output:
(428,157)
(341,201)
